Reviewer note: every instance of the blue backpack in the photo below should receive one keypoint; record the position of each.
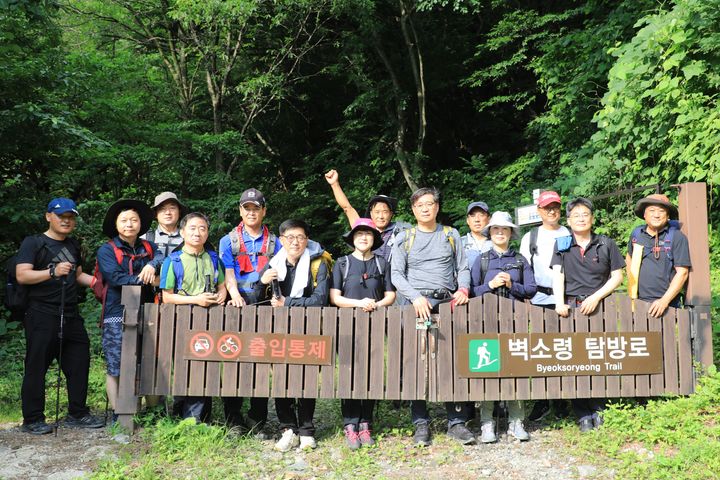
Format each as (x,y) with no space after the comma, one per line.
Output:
(179,270)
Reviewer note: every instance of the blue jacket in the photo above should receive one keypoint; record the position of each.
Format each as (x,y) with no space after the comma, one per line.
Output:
(116,275)
(510,262)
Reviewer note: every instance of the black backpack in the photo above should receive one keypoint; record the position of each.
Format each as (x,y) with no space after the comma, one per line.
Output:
(16,295)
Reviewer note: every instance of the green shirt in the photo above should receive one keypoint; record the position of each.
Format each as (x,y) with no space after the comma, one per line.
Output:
(195,268)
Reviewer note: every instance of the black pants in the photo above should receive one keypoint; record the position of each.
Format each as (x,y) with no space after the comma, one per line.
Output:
(300,423)
(357,411)
(585,408)
(198,407)
(258,411)
(42,347)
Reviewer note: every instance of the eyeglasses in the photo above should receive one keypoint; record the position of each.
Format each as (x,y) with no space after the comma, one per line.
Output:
(578,216)
(426,205)
(168,208)
(550,208)
(294,238)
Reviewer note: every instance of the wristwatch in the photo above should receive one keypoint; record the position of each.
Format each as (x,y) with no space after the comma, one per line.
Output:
(52,271)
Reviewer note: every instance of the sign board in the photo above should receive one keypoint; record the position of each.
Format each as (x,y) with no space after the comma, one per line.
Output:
(527,215)
(220,346)
(558,354)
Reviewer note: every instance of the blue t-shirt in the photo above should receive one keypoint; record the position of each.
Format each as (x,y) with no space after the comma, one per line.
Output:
(252,246)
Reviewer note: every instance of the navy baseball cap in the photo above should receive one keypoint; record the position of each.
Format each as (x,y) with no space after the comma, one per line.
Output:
(61,205)
(481,205)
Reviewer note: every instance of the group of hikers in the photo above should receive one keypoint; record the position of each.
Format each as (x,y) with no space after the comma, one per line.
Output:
(392,263)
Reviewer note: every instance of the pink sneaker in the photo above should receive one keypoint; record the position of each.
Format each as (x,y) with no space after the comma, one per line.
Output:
(364,435)
(351,437)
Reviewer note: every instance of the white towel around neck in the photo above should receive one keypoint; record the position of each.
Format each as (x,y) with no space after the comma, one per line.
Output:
(302,268)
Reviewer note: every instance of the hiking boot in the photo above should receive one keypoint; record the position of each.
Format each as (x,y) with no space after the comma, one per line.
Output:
(351,437)
(364,435)
(461,433)
(586,424)
(487,432)
(37,428)
(86,421)
(540,410)
(422,435)
(597,419)
(516,429)
(307,442)
(288,441)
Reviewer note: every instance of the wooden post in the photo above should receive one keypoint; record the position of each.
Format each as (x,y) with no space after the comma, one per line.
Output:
(692,206)
(127,399)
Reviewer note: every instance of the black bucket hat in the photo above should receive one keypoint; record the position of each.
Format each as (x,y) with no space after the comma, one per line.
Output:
(364,224)
(389,201)
(143,209)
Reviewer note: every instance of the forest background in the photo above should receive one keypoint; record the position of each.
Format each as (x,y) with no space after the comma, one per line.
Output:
(485,99)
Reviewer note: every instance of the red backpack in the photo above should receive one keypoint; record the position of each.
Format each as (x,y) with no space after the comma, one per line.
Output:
(98,284)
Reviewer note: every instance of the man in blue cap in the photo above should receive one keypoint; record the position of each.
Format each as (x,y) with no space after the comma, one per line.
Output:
(474,242)
(50,266)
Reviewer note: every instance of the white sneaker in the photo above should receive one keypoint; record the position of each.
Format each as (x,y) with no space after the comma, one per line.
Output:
(516,429)
(487,432)
(288,441)
(307,442)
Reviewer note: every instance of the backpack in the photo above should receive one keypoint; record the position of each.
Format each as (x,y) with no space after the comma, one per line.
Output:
(344,263)
(98,284)
(563,244)
(410,238)
(16,295)
(179,269)
(673,226)
(325,258)
(235,245)
(485,265)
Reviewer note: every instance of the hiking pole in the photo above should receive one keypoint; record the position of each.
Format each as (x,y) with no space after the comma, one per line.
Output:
(59,359)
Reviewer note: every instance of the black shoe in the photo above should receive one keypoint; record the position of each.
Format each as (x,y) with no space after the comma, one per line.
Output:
(586,424)
(86,421)
(597,419)
(422,435)
(540,410)
(37,428)
(461,433)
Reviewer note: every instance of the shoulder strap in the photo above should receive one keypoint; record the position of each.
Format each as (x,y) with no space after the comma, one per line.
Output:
(234,242)
(410,239)
(214,259)
(448,234)
(377,263)
(178,270)
(148,249)
(271,246)
(150,235)
(118,252)
(345,269)
(533,245)
(484,265)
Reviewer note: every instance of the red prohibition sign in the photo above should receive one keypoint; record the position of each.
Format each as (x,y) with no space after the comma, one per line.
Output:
(229,346)
(201,345)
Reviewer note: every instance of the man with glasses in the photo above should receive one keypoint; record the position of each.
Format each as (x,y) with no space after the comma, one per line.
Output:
(429,267)
(297,276)
(658,258)
(245,251)
(587,271)
(537,247)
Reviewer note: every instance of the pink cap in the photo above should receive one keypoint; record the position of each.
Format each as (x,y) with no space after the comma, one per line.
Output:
(546,198)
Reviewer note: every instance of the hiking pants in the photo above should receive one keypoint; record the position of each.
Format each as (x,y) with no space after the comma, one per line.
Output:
(355,412)
(300,423)
(258,411)
(42,347)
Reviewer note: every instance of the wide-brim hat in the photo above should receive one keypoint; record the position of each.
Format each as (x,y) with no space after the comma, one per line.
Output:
(143,209)
(164,197)
(389,201)
(364,224)
(501,219)
(655,199)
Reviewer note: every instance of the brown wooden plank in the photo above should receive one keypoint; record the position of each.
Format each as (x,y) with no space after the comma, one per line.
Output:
(345,352)
(279,370)
(538,385)
(640,324)
(212,369)
(506,321)
(149,349)
(166,332)
(180,374)
(361,361)
(610,324)
(443,376)
(246,371)
(657,381)
(473,389)
(582,382)
(230,369)
(410,354)
(490,325)
(295,379)
(597,324)
(126,403)
(264,315)
(567,384)
(394,353)
(196,385)
(327,372)
(312,372)
(553,385)
(624,308)
(687,378)
(521,325)
(377,354)
(670,351)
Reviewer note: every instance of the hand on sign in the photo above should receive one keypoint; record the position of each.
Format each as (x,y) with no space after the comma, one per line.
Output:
(422,308)
(277,301)
(589,305)
(657,308)
(562,310)
(367,304)
(206,299)
(147,274)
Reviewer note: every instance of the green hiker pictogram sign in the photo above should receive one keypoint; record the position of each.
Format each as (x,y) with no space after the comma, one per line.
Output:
(484,355)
